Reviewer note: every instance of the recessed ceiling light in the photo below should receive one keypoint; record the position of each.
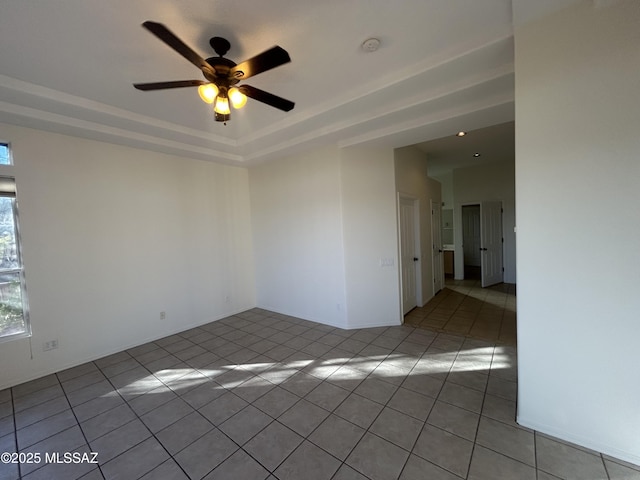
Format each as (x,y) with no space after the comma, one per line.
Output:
(476,154)
(461,134)
(370,45)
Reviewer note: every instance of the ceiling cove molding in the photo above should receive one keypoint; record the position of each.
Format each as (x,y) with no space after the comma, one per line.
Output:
(43,118)
(358,120)
(432,96)
(499,108)
(377,86)
(270,151)
(97,107)
(434,63)
(266,142)
(430,119)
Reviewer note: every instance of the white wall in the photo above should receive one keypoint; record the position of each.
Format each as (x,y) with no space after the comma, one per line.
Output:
(577,173)
(322,221)
(111,237)
(491,181)
(412,180)
(446,180)
(297,227)
(370,234)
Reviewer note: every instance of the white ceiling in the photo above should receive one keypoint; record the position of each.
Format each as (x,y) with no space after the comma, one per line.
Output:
(443,66)
(494,144)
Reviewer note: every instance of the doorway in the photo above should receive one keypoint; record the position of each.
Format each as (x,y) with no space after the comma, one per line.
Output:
(482,242)
(471,244)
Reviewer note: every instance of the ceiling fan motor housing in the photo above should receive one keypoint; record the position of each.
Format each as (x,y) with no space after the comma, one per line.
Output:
(220,45)
(221,66)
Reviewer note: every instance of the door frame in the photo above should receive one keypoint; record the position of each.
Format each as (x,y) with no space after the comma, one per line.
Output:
(459,253)
(417,249)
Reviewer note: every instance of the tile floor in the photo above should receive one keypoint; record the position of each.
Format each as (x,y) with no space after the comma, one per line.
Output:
(466,309)
(264,396)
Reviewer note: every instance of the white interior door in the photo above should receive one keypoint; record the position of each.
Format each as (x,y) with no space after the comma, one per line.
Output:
(408,257)
(491,234)
(436,236)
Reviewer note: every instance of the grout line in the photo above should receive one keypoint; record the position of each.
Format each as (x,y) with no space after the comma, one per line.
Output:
(78,422)
(484,394)
(283,326)
(251,403)
(15,429)
(604,465)
(535,452)
(137,417)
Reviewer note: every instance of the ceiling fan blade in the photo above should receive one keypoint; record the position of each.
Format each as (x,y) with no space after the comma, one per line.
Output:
(272,58)
(168,37)
(266,97)
(164,85)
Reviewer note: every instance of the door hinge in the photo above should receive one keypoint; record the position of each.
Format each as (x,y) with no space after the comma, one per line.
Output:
(503,269)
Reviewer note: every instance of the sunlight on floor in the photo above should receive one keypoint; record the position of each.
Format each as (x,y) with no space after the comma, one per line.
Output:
(271,393)
(394,368)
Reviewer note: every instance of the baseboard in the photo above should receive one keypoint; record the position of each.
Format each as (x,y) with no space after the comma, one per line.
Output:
(372,325)
(106,353)
(343,326)
(580,441)
(301,317)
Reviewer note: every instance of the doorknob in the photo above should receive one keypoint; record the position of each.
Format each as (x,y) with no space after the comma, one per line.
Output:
(415,259)
(483,249)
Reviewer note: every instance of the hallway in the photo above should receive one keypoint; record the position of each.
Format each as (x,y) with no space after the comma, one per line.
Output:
(463,307)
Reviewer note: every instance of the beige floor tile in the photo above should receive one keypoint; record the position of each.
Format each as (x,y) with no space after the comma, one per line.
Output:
(264,396)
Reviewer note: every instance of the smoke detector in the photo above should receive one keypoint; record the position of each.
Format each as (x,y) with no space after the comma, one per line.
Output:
(370,45)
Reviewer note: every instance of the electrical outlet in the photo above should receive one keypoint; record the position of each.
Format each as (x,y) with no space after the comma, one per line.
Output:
(163,315)
(50,345)
(387,262)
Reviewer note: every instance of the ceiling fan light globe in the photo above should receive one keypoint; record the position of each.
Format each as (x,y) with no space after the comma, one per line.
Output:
(208,92)
(222,106)
(238,99)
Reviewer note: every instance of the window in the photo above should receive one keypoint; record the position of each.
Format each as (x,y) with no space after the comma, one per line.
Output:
(14,318)
(5,154)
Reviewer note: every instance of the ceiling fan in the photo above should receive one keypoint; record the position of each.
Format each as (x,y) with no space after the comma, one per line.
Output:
(222,75)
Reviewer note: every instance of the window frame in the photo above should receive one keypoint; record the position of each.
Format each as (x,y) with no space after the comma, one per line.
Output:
(7,175)
(9,154)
